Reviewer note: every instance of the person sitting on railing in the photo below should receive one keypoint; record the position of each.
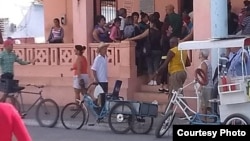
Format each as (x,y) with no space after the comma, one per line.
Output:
(8,58)
(100,33)
(56,33)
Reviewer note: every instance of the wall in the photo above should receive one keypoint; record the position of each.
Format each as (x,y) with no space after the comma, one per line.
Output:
(56,9)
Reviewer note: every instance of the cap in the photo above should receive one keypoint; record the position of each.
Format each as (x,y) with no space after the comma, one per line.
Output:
(8,42)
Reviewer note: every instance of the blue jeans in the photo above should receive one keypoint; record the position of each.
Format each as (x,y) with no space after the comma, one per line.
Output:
(153,61)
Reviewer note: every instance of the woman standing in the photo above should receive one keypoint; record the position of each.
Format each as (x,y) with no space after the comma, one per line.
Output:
(80,71)
(152,48)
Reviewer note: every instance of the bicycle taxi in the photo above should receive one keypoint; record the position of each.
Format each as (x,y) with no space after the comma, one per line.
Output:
(233,90)
(121,115)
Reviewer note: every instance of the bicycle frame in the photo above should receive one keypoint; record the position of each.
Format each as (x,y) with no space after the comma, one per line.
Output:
(23,111)
(178,100)
(88,104)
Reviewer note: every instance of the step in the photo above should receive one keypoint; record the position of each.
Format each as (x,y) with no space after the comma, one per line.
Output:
(147,88)
(150,97)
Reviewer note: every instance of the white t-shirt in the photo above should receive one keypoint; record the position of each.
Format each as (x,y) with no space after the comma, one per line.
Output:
(122,23)
(100,66)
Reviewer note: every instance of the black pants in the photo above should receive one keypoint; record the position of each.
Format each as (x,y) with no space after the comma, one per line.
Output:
(104,86)
(164,74)
(7,76)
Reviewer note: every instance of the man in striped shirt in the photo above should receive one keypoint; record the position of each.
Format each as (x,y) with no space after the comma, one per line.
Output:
(8,58)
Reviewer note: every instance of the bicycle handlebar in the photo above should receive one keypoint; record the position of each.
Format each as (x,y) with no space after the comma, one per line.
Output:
(37,86)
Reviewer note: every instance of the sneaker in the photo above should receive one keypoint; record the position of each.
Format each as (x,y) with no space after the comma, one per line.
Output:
(155,83)
(166,91)
(161,90)
(151,83)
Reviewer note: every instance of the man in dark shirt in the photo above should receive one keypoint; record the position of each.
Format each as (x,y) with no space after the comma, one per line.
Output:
(174,20)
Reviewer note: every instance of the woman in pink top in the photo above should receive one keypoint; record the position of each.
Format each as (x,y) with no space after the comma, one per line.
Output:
(11,123)
(115,33)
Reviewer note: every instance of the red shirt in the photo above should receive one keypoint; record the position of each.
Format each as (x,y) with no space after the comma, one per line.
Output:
(12,124)
(84,69)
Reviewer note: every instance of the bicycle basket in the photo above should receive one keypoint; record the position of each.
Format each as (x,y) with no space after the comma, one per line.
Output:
(8,85)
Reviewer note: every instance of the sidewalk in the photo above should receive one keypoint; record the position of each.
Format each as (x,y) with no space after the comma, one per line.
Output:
(30,120)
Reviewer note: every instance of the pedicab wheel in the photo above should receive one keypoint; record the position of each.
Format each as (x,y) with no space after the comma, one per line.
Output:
(142,125)
(73,116)
(164,124)
(121,117)
(236,119)
(201,77)
(47,113)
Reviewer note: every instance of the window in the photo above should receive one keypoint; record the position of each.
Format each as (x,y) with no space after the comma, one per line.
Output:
(108,9)
(4,24)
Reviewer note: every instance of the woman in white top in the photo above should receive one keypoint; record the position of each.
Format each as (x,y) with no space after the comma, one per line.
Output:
(206,91)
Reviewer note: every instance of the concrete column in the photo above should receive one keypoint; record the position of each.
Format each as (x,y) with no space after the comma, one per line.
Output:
(83,21)
(219,25)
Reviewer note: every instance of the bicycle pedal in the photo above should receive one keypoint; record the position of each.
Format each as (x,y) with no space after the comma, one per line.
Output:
(91,124)
(23,115)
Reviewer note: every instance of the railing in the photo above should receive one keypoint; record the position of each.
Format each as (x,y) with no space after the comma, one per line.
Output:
(46,54)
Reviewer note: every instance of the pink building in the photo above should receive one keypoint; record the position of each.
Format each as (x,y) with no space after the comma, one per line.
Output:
(55,60)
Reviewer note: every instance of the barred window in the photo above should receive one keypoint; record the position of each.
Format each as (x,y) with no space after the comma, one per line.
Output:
(4,24)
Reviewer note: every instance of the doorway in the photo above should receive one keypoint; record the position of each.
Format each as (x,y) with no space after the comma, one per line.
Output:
(186,5)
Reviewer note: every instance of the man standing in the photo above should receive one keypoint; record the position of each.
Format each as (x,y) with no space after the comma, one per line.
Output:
(174,20)
(8,58)
(99,67)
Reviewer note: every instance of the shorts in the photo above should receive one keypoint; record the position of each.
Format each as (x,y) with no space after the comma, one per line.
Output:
(205,96)
(76,85)
(176,80)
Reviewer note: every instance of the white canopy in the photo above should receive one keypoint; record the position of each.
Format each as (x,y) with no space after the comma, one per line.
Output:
(215,43)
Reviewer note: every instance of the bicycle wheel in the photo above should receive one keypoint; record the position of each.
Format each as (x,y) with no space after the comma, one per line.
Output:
(142,125)
(236,119)
(72,116)
(164,124)
(13,101)
(47,113)
(121,118)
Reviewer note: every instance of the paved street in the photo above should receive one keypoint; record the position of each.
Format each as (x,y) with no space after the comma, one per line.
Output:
(60,134)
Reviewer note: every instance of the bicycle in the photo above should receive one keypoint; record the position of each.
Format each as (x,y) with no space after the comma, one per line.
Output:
(177,100)
(44,105)
(113,106)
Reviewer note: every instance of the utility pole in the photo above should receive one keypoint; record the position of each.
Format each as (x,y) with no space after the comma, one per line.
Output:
(219,29)
(219,26)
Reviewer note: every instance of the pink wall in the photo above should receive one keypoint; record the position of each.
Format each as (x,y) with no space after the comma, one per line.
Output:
(83,21)
(56,9)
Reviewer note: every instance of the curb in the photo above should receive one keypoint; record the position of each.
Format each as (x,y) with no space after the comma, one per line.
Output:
(98,127)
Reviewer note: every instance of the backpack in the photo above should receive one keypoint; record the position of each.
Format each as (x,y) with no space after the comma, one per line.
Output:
(129,31)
